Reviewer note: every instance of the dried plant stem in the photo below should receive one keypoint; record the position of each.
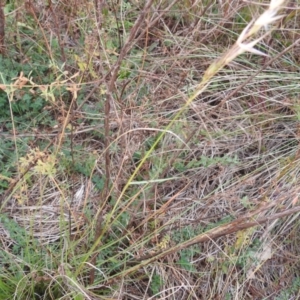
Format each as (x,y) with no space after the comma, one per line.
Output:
(241,223)
(2,29)
(109,102)
(30,7)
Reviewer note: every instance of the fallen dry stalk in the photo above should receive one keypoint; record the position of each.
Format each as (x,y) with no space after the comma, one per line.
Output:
(241,223)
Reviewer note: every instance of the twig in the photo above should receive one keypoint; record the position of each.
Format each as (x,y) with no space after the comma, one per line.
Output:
(241,223)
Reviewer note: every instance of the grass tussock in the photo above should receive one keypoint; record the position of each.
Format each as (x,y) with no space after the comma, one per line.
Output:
(149,150)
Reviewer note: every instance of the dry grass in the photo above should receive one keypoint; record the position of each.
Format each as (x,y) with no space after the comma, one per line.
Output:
(167,164)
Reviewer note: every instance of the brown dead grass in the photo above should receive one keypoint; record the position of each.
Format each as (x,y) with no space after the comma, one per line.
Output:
(238,155)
